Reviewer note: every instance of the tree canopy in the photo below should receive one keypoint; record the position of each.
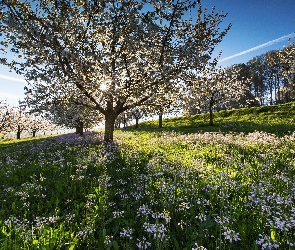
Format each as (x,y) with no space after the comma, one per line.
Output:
(109,56)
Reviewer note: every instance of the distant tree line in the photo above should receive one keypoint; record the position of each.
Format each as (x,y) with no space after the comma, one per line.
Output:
(266,79)
(15,120)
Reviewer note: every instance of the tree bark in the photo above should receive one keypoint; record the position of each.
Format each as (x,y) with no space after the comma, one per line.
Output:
(211,111)
(109,127)
(79,128)
(18,132)
(136,122)
(160,120)
(34,133)
(118,125)
(270,90)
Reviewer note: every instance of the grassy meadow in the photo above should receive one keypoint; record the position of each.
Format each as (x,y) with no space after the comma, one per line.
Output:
(186,186)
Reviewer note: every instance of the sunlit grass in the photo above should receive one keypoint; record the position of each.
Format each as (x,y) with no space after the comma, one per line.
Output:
(151,189)
(277,119)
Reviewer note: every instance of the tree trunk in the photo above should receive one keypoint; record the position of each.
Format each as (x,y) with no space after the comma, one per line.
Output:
(270,90)
(79,128)
(118,125)
(34,133)
(211,112)
(109,127)
(160,120)
(136,122)
(18,132)
(275,91)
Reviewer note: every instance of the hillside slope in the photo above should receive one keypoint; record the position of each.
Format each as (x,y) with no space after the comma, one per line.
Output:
(277,119)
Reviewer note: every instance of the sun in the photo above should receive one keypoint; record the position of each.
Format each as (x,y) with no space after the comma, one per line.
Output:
(103,87)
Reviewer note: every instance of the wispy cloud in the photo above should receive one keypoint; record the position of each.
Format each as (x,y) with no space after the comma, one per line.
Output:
(11,78)
(283,38)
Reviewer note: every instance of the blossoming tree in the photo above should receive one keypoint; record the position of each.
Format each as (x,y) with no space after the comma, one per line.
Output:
(215,88)
(38,122)
(71,115)
(5,117)
(108,55)
(14,119)
(287,61)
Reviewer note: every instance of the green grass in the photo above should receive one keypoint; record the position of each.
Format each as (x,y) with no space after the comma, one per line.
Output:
(186,186)
(277,119)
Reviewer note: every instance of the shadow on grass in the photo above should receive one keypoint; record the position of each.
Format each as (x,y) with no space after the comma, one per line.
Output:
(8,143)
(70,138)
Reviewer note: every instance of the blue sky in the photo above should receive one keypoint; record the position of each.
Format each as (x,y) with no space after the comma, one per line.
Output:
(254,23)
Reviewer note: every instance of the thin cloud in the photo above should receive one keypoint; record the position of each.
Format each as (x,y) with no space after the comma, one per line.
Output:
(11,78)
(283,38)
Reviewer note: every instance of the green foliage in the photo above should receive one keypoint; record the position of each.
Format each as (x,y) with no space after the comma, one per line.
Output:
(151,189)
